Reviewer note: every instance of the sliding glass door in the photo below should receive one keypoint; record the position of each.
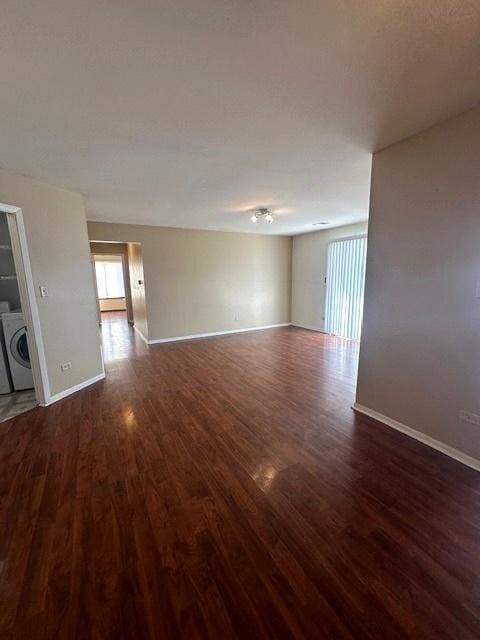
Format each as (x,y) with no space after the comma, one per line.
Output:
(345,287)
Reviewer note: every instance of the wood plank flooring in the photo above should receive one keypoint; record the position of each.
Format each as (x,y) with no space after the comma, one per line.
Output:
(223,488)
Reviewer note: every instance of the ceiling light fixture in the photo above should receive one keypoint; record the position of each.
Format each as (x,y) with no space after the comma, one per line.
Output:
(262,214)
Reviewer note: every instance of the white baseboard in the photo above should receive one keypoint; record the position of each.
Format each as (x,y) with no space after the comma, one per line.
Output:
(141,335)
(465,459)
(77,387)
(217,333)
(307,326)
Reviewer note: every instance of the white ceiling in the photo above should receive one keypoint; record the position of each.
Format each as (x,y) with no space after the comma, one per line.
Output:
(190,112)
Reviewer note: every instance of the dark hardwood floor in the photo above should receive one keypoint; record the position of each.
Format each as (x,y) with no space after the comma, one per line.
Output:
(223,488)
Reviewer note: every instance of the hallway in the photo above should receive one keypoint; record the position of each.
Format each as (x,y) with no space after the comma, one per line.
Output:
(119,339)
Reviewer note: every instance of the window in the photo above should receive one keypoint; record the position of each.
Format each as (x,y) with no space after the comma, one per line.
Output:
(345,285)
(109,272)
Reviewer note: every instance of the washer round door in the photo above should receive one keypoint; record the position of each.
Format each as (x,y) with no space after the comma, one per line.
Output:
(19,347)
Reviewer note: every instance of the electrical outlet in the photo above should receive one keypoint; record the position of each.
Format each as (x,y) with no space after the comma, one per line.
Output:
(65,366)
(44,291)
(471,418)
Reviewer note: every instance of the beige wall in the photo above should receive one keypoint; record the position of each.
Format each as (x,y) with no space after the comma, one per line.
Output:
(116,248)
(309,269)
(60,258)
(137,279)
(208,281)
(420,351)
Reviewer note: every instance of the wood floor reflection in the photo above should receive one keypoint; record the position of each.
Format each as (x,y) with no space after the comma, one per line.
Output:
(223,488)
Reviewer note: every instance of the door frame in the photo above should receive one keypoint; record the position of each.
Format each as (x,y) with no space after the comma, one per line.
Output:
(28,300)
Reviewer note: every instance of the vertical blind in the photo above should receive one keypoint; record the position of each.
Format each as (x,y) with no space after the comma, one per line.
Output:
(109,278)
(345,287)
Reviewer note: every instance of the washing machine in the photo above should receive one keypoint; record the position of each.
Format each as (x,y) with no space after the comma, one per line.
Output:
(15,335)
(5,379)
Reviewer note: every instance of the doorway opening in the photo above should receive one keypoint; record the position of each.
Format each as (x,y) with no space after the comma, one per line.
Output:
(111,286)
(112,281)
(346,261)
(118,274)
(23,378)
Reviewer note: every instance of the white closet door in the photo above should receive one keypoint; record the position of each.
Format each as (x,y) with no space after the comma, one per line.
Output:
(345,287)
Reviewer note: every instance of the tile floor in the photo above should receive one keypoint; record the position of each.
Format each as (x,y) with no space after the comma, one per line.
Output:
(12,404)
